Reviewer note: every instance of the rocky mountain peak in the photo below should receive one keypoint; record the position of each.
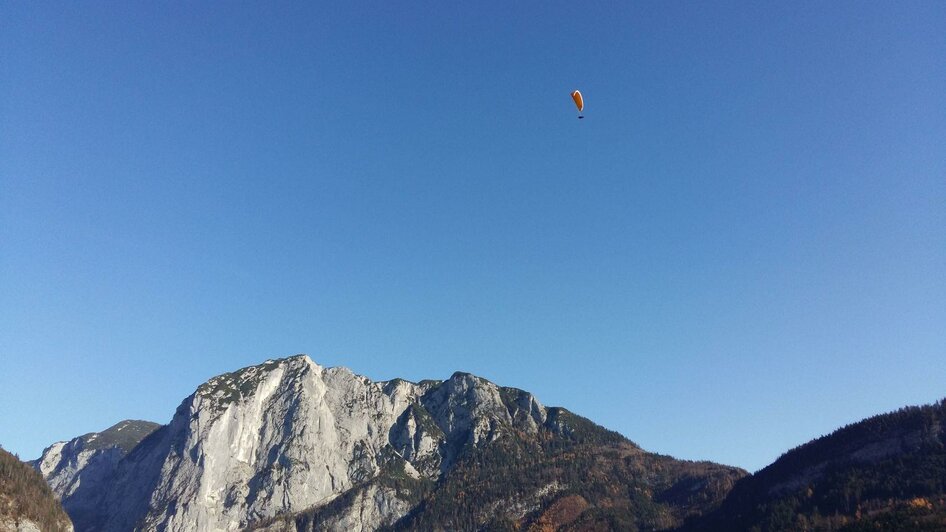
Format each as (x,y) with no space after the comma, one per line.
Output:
(237,385)
(289,437)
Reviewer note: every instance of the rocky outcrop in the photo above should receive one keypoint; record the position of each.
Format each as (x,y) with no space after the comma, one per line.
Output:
(18,525)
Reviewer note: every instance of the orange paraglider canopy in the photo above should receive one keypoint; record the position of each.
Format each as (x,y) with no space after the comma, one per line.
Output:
(579,102)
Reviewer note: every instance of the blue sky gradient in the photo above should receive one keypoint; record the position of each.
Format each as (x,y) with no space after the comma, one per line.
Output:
(741,247)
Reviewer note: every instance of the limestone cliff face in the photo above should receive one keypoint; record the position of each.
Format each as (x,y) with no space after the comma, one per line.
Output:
(279,438)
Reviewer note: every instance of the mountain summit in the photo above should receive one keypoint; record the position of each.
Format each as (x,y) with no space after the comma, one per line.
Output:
(292,445)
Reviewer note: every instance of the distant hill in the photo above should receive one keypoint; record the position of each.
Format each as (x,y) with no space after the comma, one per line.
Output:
(887,472)
(26,500)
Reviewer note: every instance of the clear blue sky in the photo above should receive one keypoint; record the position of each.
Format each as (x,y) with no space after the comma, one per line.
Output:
(741,247)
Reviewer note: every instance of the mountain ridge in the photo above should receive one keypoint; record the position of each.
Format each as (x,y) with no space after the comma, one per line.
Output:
(289,438)
(291,445)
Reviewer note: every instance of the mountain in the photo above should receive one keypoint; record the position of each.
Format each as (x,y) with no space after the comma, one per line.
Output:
(291,445)
(26,502)
(887,472)
(89,461)
(66,465)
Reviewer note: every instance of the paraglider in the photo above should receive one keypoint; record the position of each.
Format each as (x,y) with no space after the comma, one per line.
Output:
(579,102)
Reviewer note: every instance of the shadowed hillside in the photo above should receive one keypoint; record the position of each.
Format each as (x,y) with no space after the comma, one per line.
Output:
(887,472)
